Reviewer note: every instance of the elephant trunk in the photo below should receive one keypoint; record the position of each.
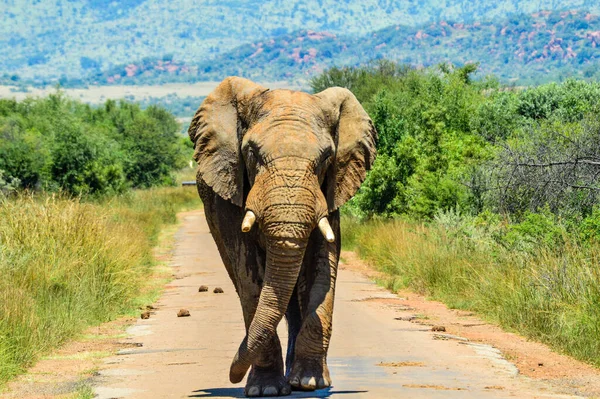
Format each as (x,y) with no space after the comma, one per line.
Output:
(286,213)
(284,259)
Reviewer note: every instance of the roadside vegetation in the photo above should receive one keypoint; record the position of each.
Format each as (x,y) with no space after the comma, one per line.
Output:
(58,144)
(66,264)
(484,197)
(84,192)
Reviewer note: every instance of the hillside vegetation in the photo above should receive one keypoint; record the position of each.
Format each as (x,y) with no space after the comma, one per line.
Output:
(521,49)
(483,197)
(56,40)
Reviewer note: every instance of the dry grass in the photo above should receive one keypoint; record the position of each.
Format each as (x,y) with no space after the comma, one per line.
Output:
(551,294)
(66,264)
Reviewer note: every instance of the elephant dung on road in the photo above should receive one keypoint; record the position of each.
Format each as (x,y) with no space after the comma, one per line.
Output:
(274,166)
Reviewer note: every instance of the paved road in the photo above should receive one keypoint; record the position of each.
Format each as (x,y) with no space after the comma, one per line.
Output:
(372,355)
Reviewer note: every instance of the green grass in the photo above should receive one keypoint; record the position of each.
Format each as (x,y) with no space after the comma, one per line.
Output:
(67,264)
(549,294)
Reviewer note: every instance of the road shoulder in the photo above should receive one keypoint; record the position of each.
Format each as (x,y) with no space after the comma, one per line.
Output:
(531,359)
(71,370)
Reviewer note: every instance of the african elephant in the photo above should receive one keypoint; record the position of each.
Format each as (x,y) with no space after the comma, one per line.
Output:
(272,166)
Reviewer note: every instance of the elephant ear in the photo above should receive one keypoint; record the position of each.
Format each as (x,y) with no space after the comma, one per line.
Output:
(356,140)
(217,129)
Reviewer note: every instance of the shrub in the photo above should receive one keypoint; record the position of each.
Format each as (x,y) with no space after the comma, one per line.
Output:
(426,147)
(7,184)
(58,144)
(447,141)
(84,163)
(23,154)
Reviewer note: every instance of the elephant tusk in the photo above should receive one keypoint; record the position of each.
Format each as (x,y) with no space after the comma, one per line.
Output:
(326,229)
(248,221)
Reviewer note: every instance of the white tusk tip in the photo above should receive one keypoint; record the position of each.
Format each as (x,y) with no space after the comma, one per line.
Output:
(248,221)
(326,230)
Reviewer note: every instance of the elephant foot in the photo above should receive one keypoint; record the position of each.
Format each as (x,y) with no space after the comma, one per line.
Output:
(266,382)
(309,374)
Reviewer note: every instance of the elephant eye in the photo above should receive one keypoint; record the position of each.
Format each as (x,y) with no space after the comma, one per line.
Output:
(326,156)
(324,161)
(250,155)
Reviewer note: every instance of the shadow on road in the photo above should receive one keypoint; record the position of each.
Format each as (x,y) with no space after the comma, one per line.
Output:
(239,393)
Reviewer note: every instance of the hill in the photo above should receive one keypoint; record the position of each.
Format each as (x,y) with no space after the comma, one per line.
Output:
(523,49)
(72,39)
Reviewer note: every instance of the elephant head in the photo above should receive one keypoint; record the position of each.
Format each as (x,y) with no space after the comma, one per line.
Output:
(288,159)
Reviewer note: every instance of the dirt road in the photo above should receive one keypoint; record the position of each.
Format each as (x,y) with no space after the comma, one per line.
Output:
(372,355)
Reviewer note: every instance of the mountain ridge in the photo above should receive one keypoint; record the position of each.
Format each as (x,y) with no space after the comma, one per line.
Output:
(76,38)
(520,49)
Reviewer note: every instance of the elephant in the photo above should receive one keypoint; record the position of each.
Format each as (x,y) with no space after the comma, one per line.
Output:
(274,167)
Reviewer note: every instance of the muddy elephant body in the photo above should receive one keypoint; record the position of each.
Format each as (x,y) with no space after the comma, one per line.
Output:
(274,166)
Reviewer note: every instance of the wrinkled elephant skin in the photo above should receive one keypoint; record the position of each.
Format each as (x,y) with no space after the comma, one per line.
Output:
(274,166)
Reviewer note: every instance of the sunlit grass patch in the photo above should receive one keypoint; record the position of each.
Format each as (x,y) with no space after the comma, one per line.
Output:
(66,264)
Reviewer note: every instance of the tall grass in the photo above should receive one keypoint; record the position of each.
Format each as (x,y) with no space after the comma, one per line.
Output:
(67,264)
(548,293)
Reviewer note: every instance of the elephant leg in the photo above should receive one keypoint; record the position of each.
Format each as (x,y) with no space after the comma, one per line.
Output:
(294,322)
(244,261)
(309,369)
(266,377)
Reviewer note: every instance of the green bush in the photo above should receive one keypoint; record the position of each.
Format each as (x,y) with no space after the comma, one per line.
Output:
(55,143)
(451,142)
(85,163)
(568,101)
(23,152)
(426,144)
(364,82)
(7,185)
(589,228)
(496,116)
(152,149)
(535,230)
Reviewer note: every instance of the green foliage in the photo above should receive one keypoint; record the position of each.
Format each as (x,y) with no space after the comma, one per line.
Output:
(589,228)
(152,149)
(181,107)
(22,152)
(86,163)
(55,143)
(426,143)
(363,82)
(449,142)
(569,101)
(534,230)
(7,186)
(496,117)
